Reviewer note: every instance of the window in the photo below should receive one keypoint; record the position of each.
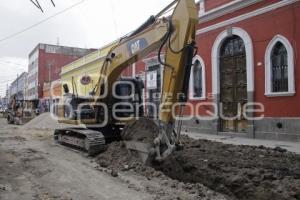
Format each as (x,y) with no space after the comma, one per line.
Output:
(279,64)
(279,68)
(197,80)
(233,46)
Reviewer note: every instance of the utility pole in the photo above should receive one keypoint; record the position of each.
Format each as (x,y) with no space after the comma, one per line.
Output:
(17,87)
(49,65)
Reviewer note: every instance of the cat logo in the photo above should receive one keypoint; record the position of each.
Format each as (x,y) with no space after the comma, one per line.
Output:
(137,45)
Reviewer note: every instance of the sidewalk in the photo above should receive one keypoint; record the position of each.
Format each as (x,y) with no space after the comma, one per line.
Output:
(290,146)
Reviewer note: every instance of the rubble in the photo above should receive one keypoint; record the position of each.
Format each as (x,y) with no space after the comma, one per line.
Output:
(117,159)
(239,172)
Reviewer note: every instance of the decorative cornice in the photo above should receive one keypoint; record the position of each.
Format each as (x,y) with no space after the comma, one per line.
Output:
(243,17)
(225,9)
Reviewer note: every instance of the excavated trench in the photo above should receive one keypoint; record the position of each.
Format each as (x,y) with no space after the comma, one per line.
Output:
(239,172)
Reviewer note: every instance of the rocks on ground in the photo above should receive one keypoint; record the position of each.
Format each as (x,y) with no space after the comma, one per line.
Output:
(238,172)
(117,159)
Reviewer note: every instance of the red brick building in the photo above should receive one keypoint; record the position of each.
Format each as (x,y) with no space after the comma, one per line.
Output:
(248,54)
(45,65)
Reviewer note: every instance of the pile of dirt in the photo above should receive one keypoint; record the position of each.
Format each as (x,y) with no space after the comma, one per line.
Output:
(117,159)
(243,172)
(240,172)
(44,121)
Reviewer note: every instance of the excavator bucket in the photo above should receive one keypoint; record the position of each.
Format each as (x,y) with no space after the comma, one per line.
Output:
(138,136)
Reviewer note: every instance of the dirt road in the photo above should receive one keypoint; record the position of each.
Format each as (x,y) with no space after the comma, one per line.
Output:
(33,167)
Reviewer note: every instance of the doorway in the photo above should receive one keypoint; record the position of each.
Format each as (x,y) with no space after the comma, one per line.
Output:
(233,85)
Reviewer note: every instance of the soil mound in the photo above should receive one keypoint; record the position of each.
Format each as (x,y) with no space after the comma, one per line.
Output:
(240,172)
(243,172)
(44,121)
(116,158)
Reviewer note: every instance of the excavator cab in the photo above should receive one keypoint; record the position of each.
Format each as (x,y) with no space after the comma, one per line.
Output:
(127,93)
(127,96)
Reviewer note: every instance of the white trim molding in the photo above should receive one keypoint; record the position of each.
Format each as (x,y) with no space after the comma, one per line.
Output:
(268,66)
(246,16)
(201,4)
(191,85)
(225,9)
(133,68)
(216,58)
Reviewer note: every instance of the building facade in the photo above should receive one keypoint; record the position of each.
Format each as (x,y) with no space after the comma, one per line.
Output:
(245,77)
(2,102)
(17,87)
(248,55)
(45,63)
(82,75)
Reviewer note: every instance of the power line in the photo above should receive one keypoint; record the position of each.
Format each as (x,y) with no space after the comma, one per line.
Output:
(113,17)
(12,63)
(40,22)
(16,66)
(6,81)
(53,3)
(37,4)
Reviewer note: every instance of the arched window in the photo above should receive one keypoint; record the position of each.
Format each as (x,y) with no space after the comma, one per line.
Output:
(279,64)
(279,68)
(197,80)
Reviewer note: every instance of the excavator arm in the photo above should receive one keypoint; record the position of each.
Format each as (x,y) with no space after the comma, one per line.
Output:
(176,33)
(176,36)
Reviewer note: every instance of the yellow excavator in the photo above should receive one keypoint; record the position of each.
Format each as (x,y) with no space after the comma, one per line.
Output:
(115,108)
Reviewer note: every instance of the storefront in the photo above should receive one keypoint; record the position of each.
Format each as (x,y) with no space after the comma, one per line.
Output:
(51,95)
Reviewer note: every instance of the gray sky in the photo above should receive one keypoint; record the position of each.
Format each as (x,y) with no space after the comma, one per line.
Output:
(91,24)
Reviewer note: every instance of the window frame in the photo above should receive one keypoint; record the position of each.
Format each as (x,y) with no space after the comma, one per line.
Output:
(191,85)
(268,67)
(201,8)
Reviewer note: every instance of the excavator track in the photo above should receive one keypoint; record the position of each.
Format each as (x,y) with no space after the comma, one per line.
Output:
(90,141)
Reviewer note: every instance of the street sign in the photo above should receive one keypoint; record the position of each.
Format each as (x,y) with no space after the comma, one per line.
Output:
(152,80)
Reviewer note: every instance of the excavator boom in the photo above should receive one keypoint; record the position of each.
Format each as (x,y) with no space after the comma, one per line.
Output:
(174,35)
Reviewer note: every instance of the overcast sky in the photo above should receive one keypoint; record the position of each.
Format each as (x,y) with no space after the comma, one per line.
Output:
(90,24)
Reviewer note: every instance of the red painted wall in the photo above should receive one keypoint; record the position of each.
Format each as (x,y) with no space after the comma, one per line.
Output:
(211,4)
(262,29)
(237,13)
(57,61)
